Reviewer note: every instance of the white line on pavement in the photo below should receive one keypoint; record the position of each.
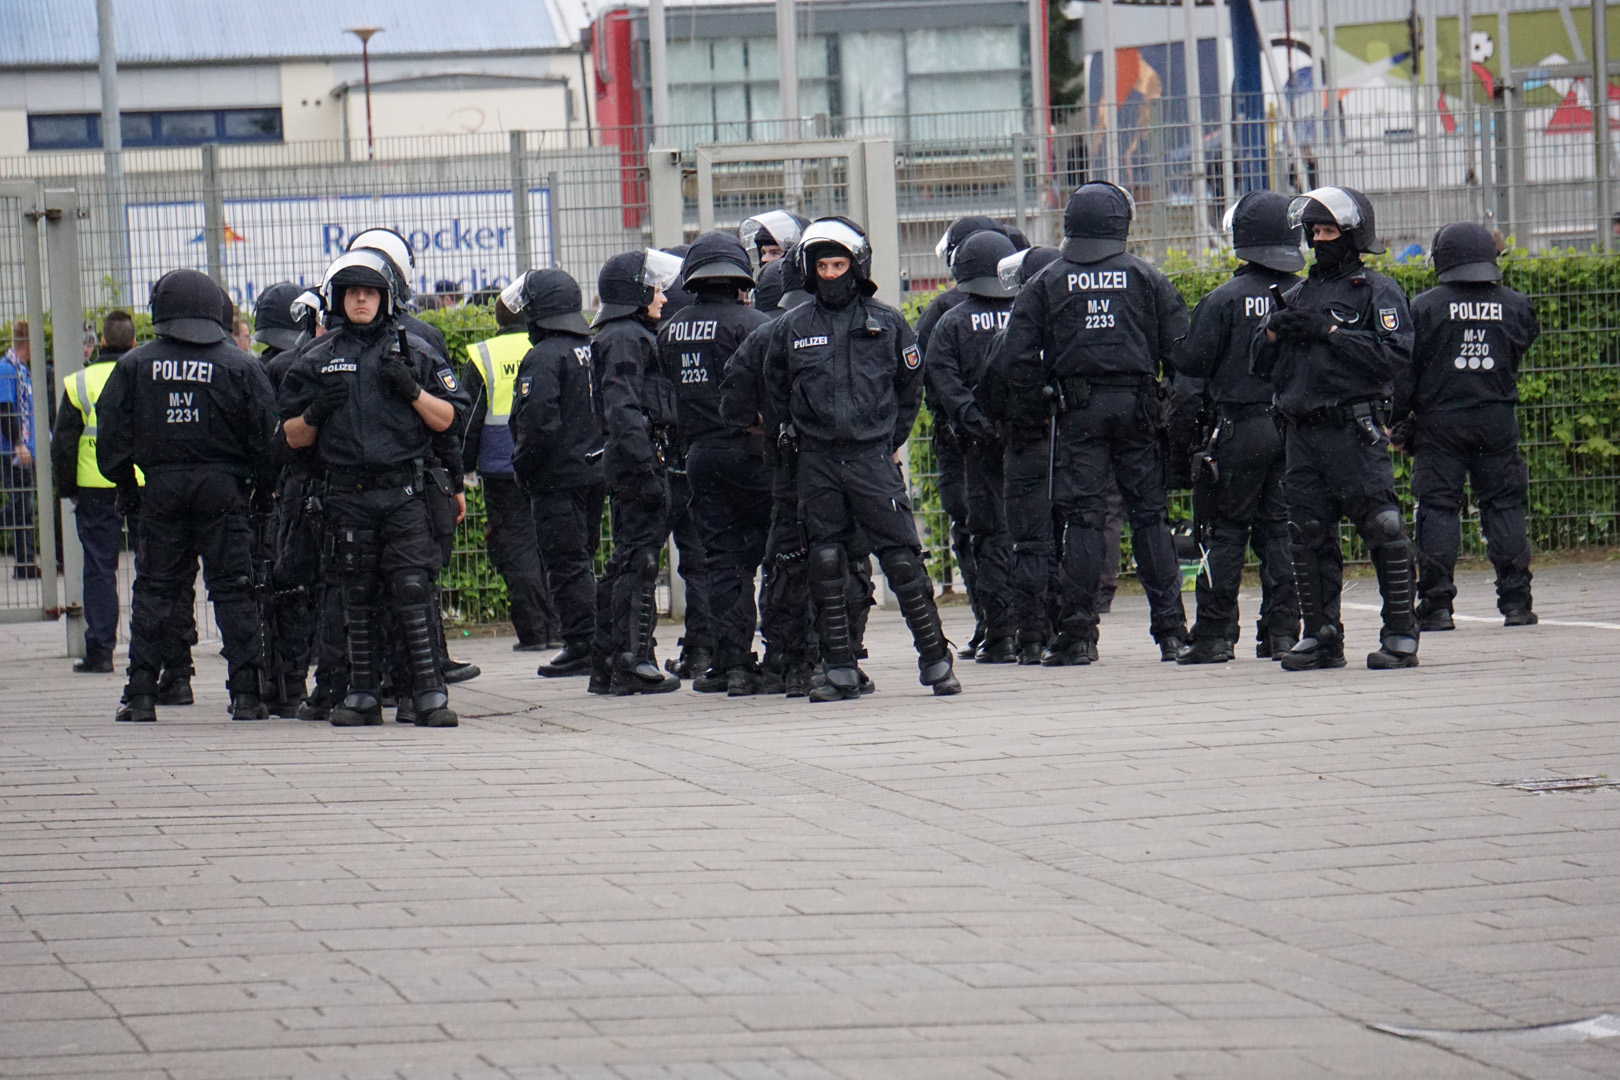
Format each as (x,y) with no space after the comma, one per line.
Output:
(1498,619)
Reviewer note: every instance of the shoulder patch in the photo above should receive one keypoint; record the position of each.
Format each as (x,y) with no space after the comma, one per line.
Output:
(523,384)
(912,356)
(1389,318)
(448,378)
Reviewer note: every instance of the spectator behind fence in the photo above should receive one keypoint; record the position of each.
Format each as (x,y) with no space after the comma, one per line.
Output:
(17,453)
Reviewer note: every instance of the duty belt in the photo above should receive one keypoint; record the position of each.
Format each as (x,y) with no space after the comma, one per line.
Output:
(374,479)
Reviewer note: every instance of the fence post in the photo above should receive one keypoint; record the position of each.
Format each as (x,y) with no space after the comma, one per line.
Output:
(213,214)
(62,210)
(664,203)
(520,203)
(553,244)
(1018,181)
(1600,127)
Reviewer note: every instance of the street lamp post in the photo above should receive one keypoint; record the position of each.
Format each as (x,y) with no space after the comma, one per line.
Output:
(365,34)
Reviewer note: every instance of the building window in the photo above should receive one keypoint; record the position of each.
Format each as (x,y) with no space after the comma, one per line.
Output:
(191,127)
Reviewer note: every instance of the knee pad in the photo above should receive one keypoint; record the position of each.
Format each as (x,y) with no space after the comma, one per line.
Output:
(901,566)
(1143,520)
(1384,527)
(644,564)
(1307,534)
(828,562)
(359,592)
(410,586)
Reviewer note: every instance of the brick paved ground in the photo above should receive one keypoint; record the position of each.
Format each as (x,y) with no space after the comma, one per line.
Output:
(1130,870)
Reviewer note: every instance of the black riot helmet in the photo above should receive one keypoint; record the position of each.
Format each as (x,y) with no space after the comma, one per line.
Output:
(1464,251)
(778,229)
(835,237)
(186,305)
(958,232)
(1096,222)
(717,258)
(273,322)
(1346,208)
(1261,234)
(794,292)
(1019,268)
(976,264)
(362,266)
(627,282)
(547,300)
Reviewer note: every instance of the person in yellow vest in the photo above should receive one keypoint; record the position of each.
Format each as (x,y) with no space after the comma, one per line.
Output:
(99,523)
(491,377)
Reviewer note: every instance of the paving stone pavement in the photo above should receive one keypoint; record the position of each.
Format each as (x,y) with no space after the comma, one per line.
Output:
(1126,870)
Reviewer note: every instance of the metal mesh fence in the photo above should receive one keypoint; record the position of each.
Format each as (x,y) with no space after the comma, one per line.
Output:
(478,208)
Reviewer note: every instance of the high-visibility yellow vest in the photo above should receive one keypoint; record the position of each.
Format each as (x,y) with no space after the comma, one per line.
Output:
(498,360)
(83,388)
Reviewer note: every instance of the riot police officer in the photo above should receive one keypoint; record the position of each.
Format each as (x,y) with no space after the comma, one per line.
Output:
(846,373)
(371,399)
(194,413)
(274,325)
(556,429)
(491,378)
(1471,335)
(957,357)
(949,463)
(402,255)
(639,412)
(1097,327)
(1333,350)
(771,234)
(1034,532)
(1238,484)
(725,468)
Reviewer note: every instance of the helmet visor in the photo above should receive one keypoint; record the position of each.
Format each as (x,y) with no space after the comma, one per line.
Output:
(305,305)
(660,269)
(512,295)
(835,232)
(1335,200)
(1010,270)
(944,244)
(777,224)
(360,259)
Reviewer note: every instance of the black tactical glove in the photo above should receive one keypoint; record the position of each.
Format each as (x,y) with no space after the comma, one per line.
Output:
(398,380)
(331,398)
(973,424)
(1400,435)
(128,499)
(1297,324)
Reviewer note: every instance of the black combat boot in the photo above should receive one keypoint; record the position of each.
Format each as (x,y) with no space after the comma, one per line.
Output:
(1434,618)
(1206,650)
(245,701)
(842,679)
(174,686)
(140,699)
(574,659)
(1398,640)
(998,650)
(635,671)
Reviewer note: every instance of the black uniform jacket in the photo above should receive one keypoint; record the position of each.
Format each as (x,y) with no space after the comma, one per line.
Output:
(638,404)
(1470,339)
(556,417)
(1115,319)
(1216,348)
(374,430)
(693,348)
(1363,360)
(170,404)
(959,353)
(848,379)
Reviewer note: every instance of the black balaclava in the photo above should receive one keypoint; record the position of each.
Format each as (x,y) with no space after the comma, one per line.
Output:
(1337,255)
(839,292)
